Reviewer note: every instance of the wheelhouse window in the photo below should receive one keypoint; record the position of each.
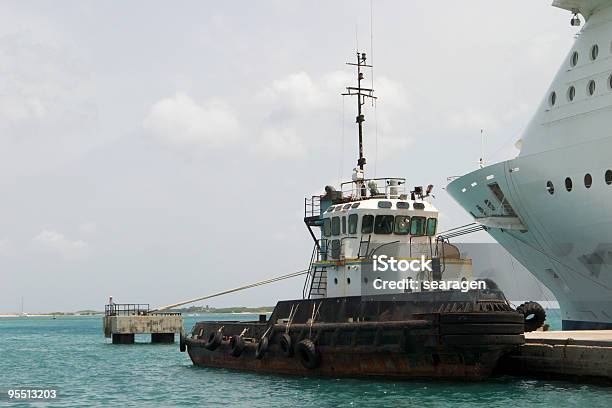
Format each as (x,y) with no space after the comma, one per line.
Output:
(355,205)
(335,226)
(327,227)
(346,206)
(432,223)
(417,226)
(402,224)
(384,204)
(367,224)
(383,224)
(352,223)
(402,205)
(343,224)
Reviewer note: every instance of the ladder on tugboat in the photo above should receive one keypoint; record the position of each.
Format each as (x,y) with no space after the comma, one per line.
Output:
(315,286)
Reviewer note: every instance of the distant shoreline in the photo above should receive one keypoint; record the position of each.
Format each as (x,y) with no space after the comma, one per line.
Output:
(186,311)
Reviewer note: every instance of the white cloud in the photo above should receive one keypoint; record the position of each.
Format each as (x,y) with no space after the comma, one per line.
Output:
(179,120)
(41,80)
(57,243)
(280,143)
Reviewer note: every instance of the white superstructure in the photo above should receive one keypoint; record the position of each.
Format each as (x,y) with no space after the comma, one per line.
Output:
(551,206)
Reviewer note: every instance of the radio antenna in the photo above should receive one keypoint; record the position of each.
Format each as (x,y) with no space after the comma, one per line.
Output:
(362,94)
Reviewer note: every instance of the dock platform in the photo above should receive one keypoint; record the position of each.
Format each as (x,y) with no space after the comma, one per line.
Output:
(123,321)
(584,354)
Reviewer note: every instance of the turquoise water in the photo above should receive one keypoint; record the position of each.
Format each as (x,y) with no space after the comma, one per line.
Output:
(72,355)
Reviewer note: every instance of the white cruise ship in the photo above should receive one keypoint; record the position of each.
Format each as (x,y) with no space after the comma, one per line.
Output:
(551,206)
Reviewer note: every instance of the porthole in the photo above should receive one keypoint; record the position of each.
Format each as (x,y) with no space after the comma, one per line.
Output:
(574,59)
(608,177)
(568,184)
(588,180)
(610,82)
(591,87)
(348,280)
(553,98)
(594,52)
(365,280)
(571,93)
(550,187)
(335,281)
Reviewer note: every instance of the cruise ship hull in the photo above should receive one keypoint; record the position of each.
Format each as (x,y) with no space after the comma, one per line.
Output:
(562,237)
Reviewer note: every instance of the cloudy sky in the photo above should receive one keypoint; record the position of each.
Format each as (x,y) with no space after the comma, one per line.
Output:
(157,151)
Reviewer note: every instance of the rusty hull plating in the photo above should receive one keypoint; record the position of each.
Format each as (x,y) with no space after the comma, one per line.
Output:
(414,335)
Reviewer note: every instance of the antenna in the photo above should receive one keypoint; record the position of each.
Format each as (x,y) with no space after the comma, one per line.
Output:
(481,162)
(362,94)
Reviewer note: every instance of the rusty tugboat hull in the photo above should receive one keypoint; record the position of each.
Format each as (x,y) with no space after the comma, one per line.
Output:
(424,335)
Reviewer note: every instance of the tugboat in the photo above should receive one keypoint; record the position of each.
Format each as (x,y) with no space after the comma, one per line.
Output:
(359,316)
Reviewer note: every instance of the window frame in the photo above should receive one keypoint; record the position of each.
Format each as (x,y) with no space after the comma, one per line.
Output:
(383,217)
(365,217)
(327,227)
(423,224)
(427,227)
(335,226)
(354,225)
(395,227)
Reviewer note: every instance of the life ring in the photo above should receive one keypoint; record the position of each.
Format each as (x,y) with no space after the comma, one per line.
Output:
(534,313)
(214,340)
(261,349)
(286,345)
(236,345)
(308,354)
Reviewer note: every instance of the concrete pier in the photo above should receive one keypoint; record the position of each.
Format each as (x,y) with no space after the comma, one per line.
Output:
(565,354)
(123,321)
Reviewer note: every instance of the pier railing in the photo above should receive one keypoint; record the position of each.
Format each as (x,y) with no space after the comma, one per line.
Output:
(133,309)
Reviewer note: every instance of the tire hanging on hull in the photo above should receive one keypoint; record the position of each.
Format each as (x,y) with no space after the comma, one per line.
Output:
(534,313)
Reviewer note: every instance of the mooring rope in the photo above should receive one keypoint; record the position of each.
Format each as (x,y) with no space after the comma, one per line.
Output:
(225,292)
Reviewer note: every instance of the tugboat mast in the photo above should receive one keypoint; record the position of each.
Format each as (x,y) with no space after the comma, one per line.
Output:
(362,94)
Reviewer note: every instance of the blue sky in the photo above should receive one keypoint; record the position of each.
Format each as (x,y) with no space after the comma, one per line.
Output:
(156,151)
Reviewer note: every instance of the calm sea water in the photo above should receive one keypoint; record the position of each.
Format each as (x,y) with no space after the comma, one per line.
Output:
(72,355)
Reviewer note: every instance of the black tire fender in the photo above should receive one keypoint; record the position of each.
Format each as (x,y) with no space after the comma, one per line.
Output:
(286,345)
(308,354)
(262,347)
(236,345)
(214,340)
(534,314)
